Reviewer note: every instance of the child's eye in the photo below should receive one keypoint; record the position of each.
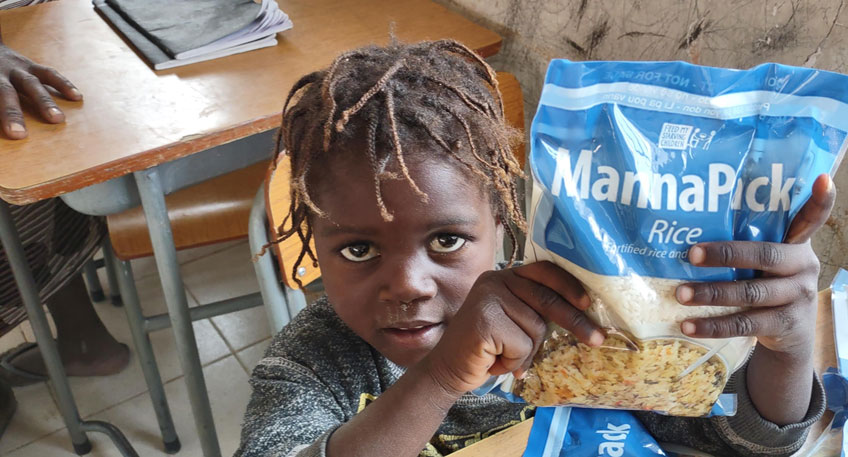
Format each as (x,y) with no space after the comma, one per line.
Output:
(359,252)
(447,243)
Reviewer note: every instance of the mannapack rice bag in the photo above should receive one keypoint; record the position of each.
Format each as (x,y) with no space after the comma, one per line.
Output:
(633,163)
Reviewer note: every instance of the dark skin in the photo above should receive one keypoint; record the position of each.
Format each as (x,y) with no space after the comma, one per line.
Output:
(393,284)
(781,307)
(21,79)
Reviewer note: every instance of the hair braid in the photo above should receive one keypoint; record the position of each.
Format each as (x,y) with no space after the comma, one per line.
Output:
(428,96)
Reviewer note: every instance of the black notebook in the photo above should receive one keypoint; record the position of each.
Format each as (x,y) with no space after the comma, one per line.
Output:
(171,33)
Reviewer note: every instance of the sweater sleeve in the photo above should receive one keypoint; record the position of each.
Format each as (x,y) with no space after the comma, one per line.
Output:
(746,434)
(290,414)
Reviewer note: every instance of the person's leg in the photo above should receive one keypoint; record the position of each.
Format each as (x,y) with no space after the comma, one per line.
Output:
(86,346)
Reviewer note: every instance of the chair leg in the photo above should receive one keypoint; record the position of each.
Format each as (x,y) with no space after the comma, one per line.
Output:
(111,275)
(295,300)
(141,341)
(276,301)
(95,290)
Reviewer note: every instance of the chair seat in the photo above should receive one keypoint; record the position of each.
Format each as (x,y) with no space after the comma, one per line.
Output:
(213,211)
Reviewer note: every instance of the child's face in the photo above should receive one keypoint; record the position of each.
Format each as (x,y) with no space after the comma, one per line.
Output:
(398,284)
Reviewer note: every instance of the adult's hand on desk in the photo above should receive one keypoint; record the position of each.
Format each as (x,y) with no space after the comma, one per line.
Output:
(23,79)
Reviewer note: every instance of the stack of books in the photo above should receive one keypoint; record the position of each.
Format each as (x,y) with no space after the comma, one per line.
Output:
(172,33)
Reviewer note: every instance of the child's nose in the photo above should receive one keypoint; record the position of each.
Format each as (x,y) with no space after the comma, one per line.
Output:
(407,280)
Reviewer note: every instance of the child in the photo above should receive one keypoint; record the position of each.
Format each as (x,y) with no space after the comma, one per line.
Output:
(403,176)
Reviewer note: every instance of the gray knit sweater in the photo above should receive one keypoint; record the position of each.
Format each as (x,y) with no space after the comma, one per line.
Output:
(317,374)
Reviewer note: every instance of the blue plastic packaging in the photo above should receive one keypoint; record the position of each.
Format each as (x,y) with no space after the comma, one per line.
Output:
(579,432)
(633,163)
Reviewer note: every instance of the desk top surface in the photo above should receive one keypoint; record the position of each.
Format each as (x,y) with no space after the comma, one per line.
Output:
(133,118)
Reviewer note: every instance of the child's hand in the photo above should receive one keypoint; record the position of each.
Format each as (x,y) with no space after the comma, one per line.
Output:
(502,323)
(781,305)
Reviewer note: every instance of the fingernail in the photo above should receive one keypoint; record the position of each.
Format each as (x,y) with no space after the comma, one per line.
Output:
(829,185)
(696,254)
(54,111)
(75,92)
(596,339)
(684,294)
(585,302)
(14,127)
(687,328)
(521,374)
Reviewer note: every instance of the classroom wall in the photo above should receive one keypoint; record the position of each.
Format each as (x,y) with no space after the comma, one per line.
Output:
(730,33)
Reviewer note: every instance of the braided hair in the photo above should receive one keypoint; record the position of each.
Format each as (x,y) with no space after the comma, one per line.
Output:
(438,96)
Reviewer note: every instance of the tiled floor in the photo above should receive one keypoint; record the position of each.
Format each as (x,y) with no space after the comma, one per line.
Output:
(229,346)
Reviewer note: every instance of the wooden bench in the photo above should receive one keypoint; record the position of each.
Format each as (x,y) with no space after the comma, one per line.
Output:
(217,210)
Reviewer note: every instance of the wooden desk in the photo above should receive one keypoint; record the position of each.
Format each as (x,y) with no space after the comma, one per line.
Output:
(135,121)
(511,442)
(133,118)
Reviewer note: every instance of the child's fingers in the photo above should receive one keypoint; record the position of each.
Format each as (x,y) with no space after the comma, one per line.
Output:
(554,307)
(531,323)
(556,279)
(814,213)
(514,347)
(777,258)
(756,322)
(755,292)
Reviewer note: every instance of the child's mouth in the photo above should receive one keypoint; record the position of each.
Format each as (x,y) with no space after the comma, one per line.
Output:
(415,334)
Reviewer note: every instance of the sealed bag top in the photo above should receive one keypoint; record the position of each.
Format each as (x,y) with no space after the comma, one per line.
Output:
(653,157)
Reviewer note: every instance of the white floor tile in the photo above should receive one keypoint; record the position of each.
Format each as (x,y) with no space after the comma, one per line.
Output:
(36,417)
(251,355)
(244,328)
(224,275)
(229,392)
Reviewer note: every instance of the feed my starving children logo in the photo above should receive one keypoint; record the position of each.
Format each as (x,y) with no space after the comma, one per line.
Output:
(682,137)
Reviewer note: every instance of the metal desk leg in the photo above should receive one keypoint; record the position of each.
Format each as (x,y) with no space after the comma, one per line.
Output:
(111,273)
(29,294)
(95,290)
(144,350)
(156,213)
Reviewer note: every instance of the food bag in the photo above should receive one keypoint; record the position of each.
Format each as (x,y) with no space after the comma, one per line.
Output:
(632,164)
(578,432)
(833,442)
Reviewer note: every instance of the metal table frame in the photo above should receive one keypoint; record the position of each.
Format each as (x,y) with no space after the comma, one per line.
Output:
(148,188)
